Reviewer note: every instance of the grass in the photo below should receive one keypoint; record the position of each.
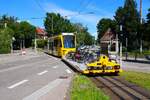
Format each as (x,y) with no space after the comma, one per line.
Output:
(83,89)
(139,78)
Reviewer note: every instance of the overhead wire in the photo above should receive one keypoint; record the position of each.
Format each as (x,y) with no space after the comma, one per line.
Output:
(40,6)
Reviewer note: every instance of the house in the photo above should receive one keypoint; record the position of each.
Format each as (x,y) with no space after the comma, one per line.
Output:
(41,33)
(109,42)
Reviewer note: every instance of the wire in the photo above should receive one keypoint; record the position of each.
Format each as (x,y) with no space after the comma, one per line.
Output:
(86,5)
(31,18)
(36,1)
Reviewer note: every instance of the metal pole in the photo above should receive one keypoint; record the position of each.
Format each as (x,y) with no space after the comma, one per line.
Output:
(120,53)
(141,46)
(35,44)
(126,48)
(121,47)
(48,45)
(11,46)
(52,24)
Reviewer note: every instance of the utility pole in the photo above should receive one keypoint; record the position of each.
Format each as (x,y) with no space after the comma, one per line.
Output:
(52,24)
(141,43)
(35,43)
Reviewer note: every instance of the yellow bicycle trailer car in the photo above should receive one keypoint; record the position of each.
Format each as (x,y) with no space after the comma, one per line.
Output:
(102,66)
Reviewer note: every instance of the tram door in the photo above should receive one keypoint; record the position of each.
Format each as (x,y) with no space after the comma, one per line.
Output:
(59,46)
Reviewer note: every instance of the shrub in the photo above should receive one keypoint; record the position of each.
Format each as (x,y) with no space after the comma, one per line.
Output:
(41,43)
(5,41)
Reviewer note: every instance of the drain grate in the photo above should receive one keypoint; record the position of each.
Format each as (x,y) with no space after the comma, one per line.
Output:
(63,77)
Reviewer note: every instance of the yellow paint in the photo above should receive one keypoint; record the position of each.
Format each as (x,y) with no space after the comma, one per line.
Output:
(104,62)
(58,47)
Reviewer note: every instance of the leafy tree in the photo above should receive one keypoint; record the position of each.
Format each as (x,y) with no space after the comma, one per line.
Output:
(146,35)
(8,21)
(129,18)
(83,36)
(21,31)
(25,32)
(56,24)
(103,25)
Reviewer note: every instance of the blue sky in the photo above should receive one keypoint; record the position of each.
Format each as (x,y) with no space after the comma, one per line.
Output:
(25,9)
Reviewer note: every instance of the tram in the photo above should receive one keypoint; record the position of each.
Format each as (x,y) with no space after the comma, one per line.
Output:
(60,45)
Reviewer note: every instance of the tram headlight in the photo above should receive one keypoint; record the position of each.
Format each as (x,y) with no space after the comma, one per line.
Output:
(117,67)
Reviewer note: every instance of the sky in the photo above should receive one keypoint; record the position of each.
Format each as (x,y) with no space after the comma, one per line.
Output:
(78,11)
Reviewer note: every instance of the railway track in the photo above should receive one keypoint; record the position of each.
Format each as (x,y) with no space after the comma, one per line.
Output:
(118,90)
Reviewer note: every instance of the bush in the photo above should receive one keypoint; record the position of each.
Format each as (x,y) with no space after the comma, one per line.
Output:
(41,43)
(5,41)
(5,50)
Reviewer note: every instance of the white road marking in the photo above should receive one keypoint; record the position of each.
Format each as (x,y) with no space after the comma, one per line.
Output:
(17,84)
(41,73)
(55,66)
(68,71)
(37,94)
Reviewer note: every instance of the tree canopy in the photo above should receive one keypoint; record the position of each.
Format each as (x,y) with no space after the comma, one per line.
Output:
(55,24)
(128,17)
(103,25)
(19,30)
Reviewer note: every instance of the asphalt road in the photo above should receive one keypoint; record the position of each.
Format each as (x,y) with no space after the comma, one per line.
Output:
(31,76)
(136,66)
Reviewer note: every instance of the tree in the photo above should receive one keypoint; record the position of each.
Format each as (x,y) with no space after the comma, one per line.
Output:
(8,21)
(129,18)
(83,36)
(103,26)
(56,24)
(20,31)
(146,35)
(25,33)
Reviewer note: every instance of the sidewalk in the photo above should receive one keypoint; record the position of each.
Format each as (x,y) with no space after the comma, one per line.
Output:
(138,60)
(11,57)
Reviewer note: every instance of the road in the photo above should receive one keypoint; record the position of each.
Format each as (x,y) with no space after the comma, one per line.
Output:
(33,76)
(136,66)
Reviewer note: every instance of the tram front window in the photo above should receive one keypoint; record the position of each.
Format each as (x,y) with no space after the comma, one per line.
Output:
(69,41)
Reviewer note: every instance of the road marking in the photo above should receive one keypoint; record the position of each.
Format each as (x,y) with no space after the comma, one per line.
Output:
(55,66)
(68,71)
(37,94)
(17,84)
(41,73)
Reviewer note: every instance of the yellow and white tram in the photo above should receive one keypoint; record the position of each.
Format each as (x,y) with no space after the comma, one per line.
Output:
(60,45)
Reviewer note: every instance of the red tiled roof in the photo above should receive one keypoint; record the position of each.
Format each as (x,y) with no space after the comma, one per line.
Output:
(41,31)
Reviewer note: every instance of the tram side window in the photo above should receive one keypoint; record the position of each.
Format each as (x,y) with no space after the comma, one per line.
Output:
(51,45)
(57,43)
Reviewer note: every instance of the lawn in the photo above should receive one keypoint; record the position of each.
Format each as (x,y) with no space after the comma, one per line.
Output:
(139,78)
(83,89)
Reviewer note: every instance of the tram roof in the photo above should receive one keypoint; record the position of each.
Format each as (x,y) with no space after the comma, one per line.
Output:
(67,33)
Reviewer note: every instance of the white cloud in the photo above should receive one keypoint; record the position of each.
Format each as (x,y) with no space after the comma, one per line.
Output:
(89,20)
(49,7)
